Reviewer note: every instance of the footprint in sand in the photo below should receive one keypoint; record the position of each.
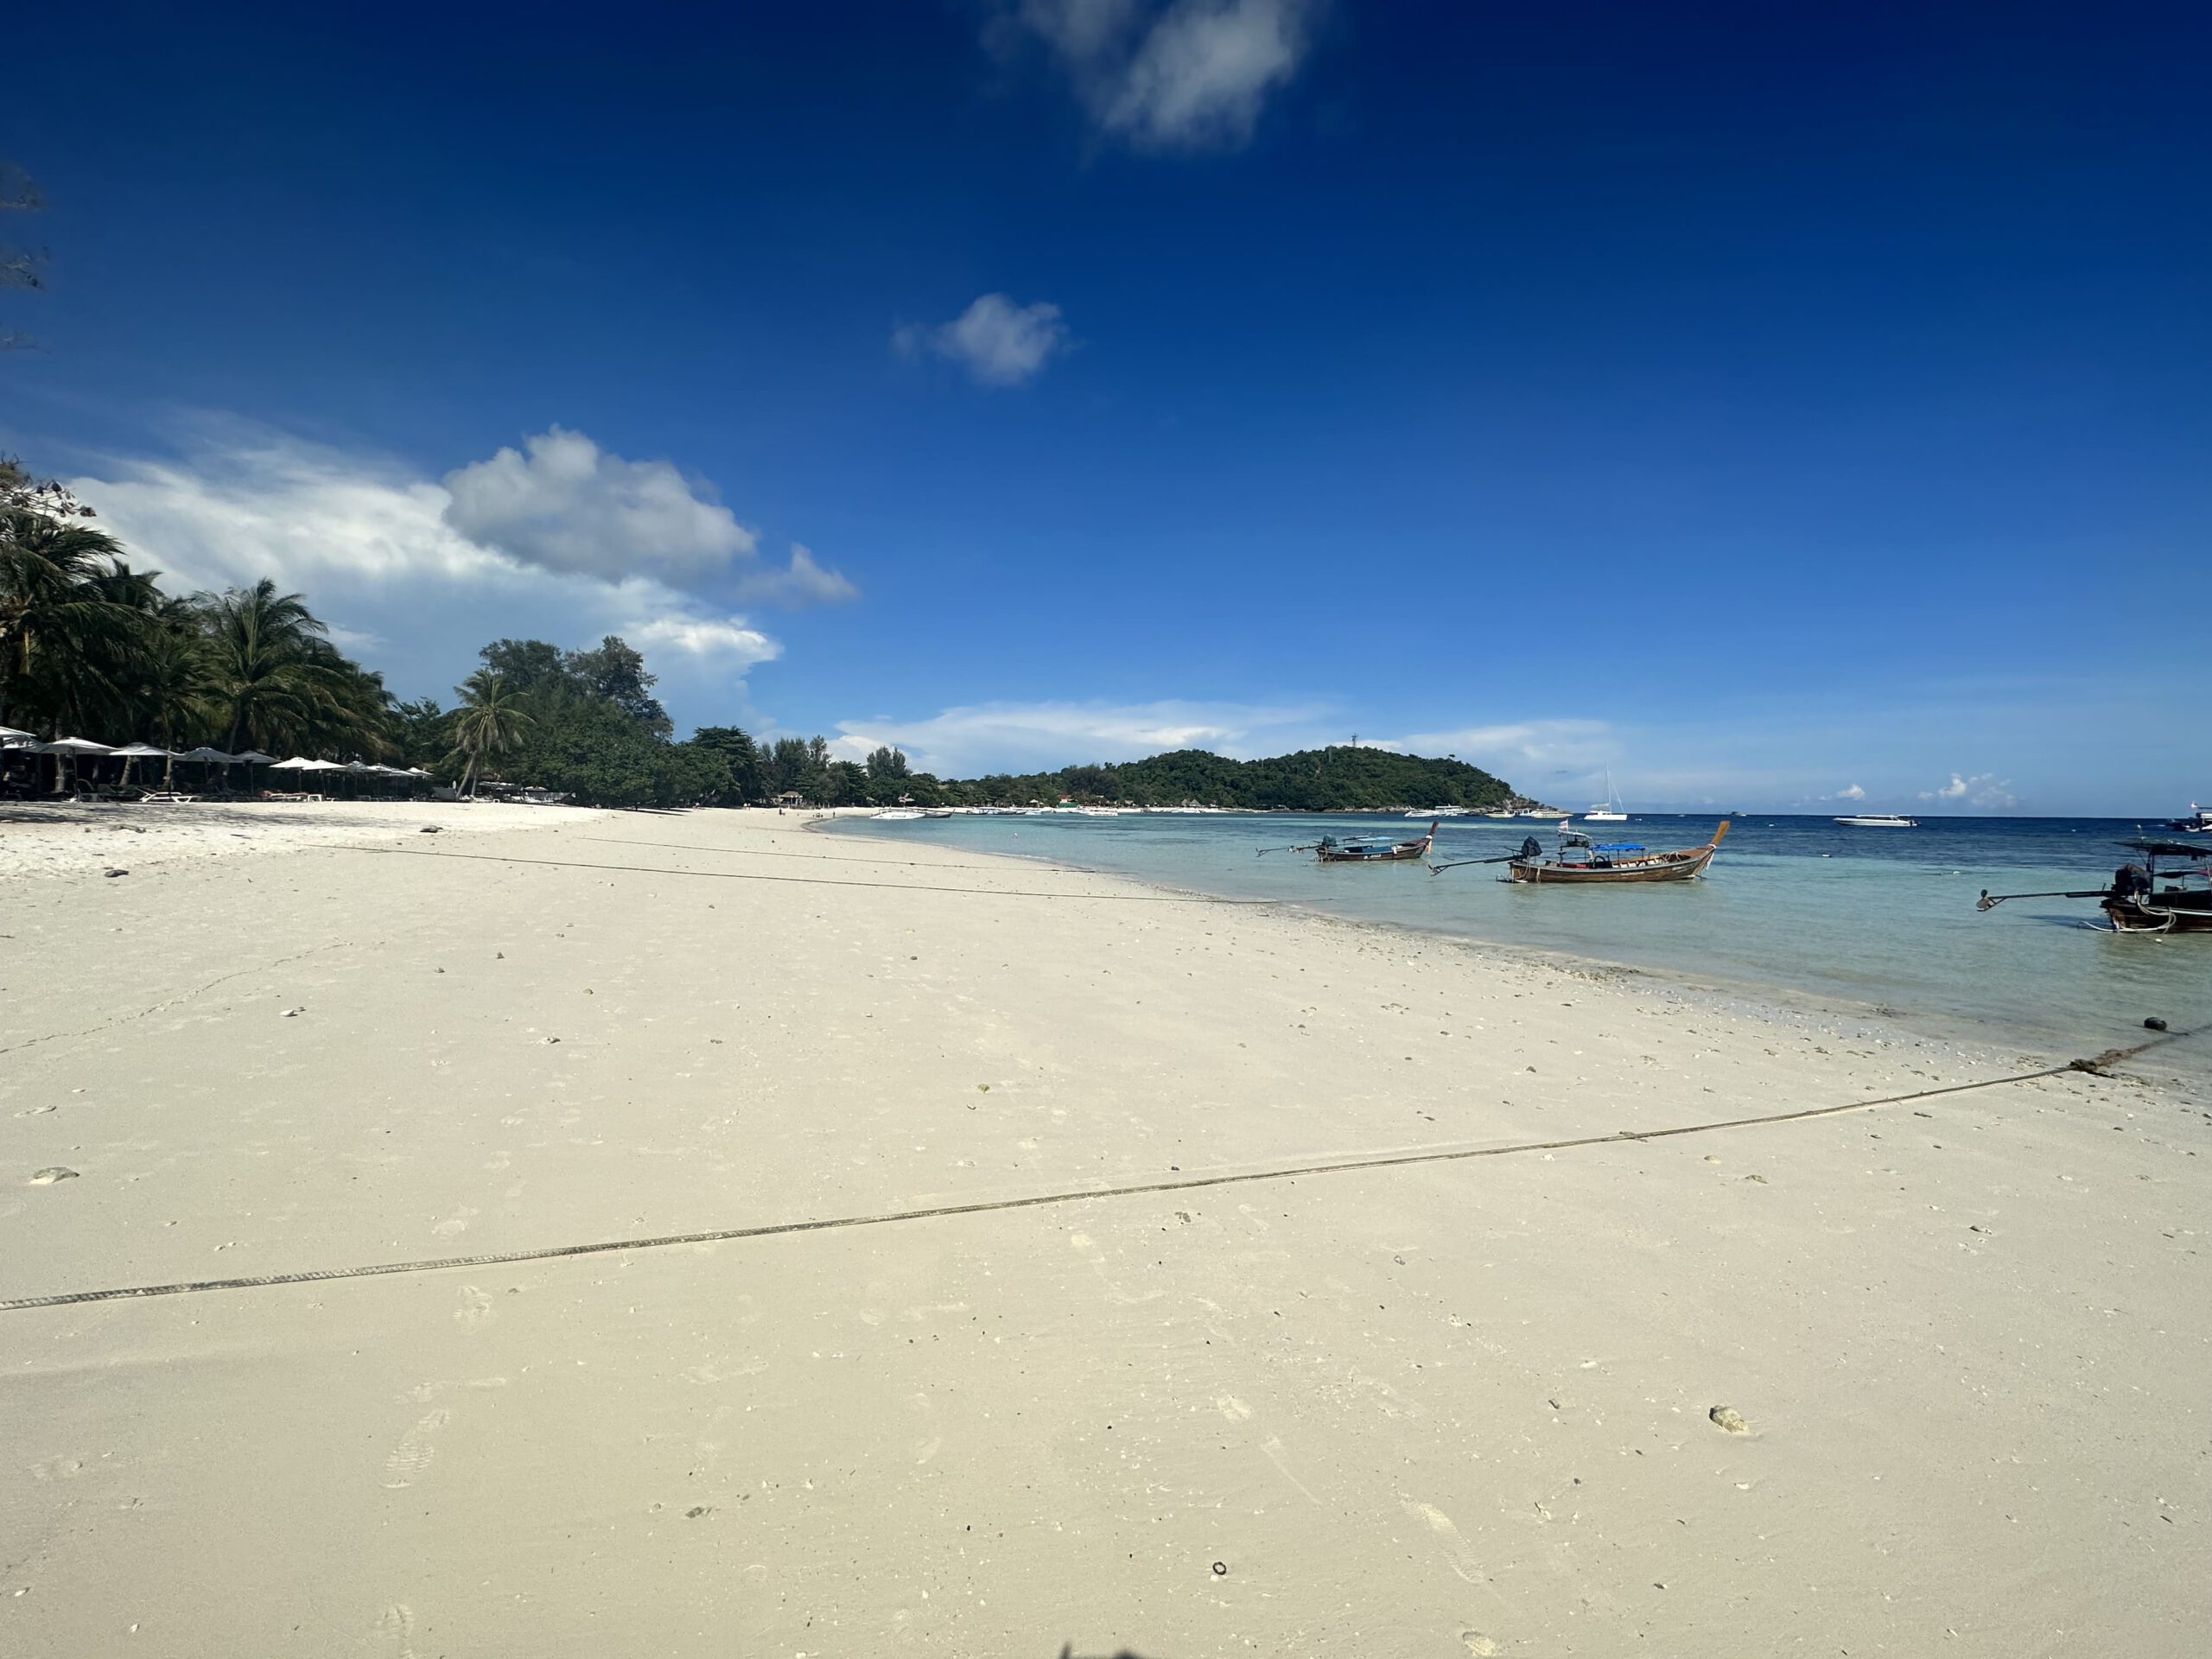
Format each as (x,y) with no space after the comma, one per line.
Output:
(1448,1536)
(1478,1643)
(398,1622)
(456,1222)
(412,1457)
(475,1311)
(1233,1409)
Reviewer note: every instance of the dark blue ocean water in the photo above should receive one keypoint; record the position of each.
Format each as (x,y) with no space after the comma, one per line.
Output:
(1792,906)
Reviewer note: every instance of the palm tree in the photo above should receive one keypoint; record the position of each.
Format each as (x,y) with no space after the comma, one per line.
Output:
(490,720)
(69,624)
(273,676)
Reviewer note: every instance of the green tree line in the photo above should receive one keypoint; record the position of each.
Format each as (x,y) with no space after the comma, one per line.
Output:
(1348,777)
(90,646)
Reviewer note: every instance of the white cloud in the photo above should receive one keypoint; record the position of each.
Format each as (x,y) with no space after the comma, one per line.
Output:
(374,547)
(1852,792)
(1038,736)
(996,341)
(1525,749)
(569,506)
(801,582)
(1192,74)
(1983,789)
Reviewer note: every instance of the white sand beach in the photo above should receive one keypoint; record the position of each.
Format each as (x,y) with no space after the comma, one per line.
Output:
(76,838)
(1927,1378)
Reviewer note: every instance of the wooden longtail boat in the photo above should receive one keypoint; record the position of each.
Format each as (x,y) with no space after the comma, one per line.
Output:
(1330,850)
(1581,860)
(2135,903)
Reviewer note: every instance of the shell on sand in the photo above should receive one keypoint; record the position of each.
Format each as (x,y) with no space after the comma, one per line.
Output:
(48,1177)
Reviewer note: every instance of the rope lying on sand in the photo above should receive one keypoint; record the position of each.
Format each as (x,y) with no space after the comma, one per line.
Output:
(838,858)
(826,880)
(2095,1067)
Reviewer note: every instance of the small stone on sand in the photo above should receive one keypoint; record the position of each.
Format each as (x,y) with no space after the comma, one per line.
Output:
(1729,1418)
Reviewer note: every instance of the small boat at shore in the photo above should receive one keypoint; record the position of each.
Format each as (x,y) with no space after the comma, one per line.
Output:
(1880,820)
(1331,849)
(1580,861)
(2135,902)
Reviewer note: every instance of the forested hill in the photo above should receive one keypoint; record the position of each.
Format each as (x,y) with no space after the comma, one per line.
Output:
(1335,779)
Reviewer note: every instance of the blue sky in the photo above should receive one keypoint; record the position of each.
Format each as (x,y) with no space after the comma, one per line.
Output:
(1765,402)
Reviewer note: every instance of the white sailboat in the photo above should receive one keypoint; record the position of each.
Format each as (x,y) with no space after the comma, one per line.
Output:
(1610,809)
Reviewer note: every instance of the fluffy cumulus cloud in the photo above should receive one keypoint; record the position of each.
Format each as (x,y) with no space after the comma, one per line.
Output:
(997,342)
(562,503)
(1189,75)
(414,573)
(1041,736)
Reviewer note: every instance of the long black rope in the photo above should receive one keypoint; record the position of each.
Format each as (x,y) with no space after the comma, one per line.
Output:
(2096,1066)
(823,881)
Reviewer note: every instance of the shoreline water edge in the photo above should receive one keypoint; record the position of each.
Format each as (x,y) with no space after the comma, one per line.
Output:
(1125,1269)
(1891,941)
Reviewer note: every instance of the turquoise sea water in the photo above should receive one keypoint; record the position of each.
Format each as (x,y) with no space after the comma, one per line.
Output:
(1792,906)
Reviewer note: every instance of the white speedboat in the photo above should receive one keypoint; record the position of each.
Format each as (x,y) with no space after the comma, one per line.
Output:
(1880,820)
(2198,822)
(1439,812)
(899,815)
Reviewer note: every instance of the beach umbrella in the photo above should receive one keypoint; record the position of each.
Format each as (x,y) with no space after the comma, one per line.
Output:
(206,757)
(130,751)
(9,737)
(69,748)
(296,764)
(251,758)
